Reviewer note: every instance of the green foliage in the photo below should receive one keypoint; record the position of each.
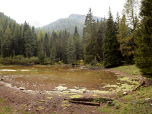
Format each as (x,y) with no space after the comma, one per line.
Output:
(111,55)
(88,29)
(143,53)
(70,50)
(29,43)
(41,47)
(16,37)
(129,69)
(47,45)
(19,60)
(6,43)
(78,45)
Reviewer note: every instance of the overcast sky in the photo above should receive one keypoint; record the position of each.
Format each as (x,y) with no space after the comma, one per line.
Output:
(42,12)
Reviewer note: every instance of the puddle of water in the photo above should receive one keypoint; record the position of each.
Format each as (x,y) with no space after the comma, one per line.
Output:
(61,78)
(25,70)
(7,70)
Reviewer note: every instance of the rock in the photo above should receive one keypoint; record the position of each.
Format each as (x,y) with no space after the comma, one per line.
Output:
(125,93)
(134,102)
(1,79)
(110,103)
(147,99)
(22,88)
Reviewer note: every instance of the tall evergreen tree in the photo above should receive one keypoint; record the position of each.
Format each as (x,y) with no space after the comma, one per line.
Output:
(110,44)
(100,36)
(130,9)
(64,45)
(122,37)
(21,42)
(29,43)
(78,45)
(143,55)
(16,37)
(88,29)
(70,50)
(47,45)
(6,43)
(34,41)
(41,53)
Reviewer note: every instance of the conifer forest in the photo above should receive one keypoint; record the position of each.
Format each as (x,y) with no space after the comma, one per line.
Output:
(110,42)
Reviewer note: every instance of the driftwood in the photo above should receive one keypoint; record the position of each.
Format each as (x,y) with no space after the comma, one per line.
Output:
(82,99)
(141,84)
(89,101)
(84,102)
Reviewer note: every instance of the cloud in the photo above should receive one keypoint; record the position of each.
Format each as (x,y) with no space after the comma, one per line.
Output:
(35,23)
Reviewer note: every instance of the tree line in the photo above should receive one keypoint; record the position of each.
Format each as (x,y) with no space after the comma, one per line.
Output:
(125,40)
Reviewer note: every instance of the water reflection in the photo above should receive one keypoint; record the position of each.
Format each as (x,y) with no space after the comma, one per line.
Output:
(61,78)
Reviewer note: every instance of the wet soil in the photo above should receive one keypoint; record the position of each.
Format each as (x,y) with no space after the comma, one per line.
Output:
(48,102)
(45,102)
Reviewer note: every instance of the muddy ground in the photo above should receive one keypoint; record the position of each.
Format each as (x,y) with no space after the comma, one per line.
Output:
(48,102)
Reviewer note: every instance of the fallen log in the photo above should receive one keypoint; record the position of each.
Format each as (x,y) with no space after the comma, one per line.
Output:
(141,84)
(92,99)
(84,102)
(82,99)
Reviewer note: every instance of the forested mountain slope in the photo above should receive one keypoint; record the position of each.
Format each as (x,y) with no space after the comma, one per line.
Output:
(68,23)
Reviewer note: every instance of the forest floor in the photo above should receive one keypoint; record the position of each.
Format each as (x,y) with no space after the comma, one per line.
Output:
(16,101)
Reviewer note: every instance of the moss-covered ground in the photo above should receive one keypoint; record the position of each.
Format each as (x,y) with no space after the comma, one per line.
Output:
(136,102)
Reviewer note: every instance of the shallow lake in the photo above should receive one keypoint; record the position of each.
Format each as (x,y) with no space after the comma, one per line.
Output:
(62,78)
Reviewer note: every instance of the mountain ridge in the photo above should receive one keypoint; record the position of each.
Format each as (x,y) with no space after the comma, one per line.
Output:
(68,23)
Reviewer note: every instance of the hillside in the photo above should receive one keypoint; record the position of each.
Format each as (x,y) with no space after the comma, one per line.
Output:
(4,21)
(68,23)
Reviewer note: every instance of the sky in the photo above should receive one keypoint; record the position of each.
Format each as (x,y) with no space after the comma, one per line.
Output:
(43,12)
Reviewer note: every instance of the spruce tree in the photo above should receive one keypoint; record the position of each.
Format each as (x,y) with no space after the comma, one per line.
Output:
(70,50)
(88,29)
(110,44)
(40,52)
(64,45)
(16,37)
(143,55)
(34,41)
(46,45)
(6,43)
(29,43)
(78,45)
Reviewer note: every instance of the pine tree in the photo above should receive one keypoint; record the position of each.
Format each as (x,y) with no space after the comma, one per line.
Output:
(123,38)
(100,36)
(88,29)
(64,45)
(70,50)
(41,53)
(130,9)
(78,45)
(6,43)
(34,41)
(21,42)
(16,37)
(29,43)
(143,55)
(47,45)
(110,44)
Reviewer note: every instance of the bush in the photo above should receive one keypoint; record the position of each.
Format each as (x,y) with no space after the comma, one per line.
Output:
(47,61)
(88,59)
(35,60)
(19,60)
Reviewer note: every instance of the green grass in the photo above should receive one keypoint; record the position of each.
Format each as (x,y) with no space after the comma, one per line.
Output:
(129,69)
(134,102)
